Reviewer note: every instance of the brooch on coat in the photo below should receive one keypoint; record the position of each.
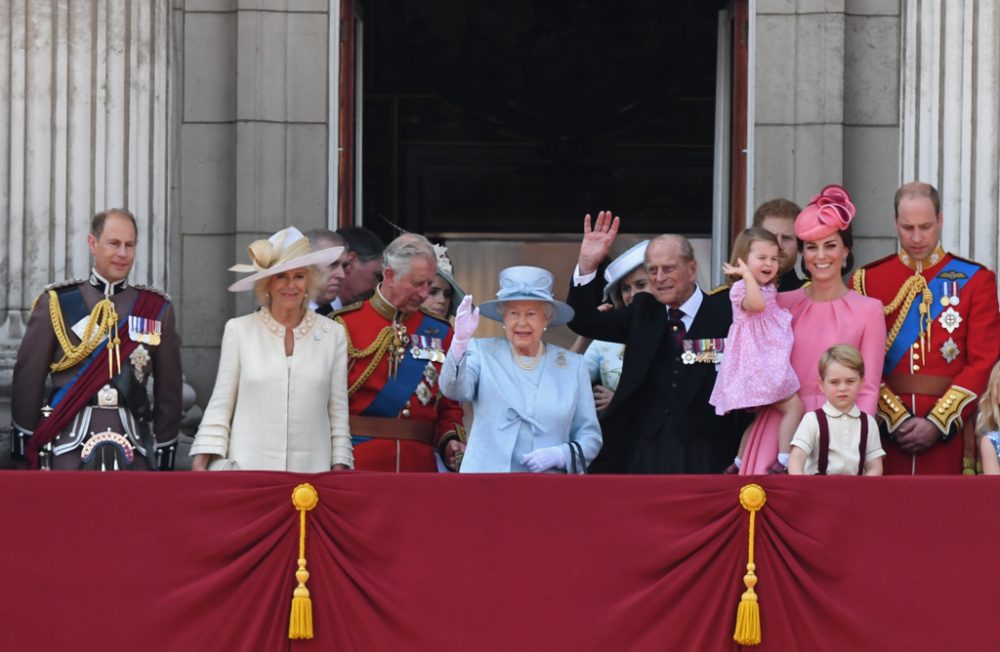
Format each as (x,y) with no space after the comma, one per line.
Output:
(950,320)
(949,350)
(139,359)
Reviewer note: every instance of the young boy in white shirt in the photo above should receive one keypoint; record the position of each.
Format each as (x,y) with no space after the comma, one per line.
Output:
(838,438)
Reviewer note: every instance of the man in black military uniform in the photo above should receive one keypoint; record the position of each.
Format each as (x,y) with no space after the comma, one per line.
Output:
(100,340)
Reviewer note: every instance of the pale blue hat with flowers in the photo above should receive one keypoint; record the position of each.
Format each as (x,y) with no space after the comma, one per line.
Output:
(526,283)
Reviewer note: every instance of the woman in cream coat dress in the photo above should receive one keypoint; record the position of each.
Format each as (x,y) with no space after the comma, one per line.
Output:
(280,397)
(533,402)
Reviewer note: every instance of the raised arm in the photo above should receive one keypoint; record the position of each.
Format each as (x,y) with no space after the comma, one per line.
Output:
(753,299)
(596,241)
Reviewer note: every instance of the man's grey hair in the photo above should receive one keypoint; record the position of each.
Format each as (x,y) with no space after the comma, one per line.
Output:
(399,255)
(679,241)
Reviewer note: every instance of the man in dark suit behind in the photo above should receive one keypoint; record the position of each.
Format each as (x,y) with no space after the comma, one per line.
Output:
(660,420)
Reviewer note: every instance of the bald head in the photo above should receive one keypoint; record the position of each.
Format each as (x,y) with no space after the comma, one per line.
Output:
(672,269)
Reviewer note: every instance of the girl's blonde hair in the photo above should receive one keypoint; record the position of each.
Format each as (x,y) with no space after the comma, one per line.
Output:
(989,405)
(741,248)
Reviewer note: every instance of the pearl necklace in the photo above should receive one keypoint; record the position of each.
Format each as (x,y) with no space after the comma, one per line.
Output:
(528,362)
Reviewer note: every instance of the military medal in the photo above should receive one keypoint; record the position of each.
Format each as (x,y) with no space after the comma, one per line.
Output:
(139,359)
(950,319)
(424,394)
(431,373)
(950,294)
(949,350)
(704,350)
(427,348)
(144,331)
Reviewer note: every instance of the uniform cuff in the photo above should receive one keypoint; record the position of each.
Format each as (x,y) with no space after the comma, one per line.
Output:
(890,409)
(946,413)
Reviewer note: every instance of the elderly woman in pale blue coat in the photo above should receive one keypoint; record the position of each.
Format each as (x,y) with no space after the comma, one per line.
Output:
(534,409)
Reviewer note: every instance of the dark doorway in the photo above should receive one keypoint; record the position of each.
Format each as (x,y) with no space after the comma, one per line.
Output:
(519,116)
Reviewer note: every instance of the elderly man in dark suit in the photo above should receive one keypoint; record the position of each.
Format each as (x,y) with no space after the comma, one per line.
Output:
(660,420)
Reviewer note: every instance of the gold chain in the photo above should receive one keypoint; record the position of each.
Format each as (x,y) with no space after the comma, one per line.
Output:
(103,323)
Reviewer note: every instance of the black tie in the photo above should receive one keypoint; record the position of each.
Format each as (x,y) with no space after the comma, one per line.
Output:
(675,325)
(324,309)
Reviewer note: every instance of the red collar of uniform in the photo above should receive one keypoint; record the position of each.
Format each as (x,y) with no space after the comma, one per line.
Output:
(923,265)
(386,309)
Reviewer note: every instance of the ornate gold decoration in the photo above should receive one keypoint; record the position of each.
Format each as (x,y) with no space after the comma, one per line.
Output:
(101,325)
(890,408)
(949,407)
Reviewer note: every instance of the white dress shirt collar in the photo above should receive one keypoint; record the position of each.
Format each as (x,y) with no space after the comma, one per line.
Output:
(690,307)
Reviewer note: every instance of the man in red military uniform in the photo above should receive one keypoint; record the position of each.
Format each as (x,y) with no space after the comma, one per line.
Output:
(943,340)
(395,350)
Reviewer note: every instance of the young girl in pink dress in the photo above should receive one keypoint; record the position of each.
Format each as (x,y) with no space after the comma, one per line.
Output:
(756,370)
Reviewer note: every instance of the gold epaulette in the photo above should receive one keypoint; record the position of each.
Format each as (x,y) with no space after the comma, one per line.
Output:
(345,309)
(153,290)
(718,288)
(890,408)
(949,407)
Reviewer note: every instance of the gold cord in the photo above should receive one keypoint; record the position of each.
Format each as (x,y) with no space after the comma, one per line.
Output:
(377,349)
(102,324)
(914,286)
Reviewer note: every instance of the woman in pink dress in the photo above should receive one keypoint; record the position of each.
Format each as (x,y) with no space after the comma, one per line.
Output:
(824,313)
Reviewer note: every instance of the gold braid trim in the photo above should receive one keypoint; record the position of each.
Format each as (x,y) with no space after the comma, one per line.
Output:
(103,323)
(949,408)
(914,286)
(858,281)
(376,349)
(891,409)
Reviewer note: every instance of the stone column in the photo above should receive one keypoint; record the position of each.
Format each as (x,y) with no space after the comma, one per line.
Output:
(951,116)
(84,109)
(827,107)
(253,154)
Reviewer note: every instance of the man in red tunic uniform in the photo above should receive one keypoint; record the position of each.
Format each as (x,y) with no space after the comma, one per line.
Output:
(943,339)
(395,350)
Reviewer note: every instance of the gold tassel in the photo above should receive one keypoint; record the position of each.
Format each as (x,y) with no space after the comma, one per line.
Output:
(752,498)
(300,624)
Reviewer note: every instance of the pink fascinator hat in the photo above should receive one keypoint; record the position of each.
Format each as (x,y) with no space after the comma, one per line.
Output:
(828,212)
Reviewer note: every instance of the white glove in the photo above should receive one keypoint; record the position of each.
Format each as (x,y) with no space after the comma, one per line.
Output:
(466,321)
(544,459)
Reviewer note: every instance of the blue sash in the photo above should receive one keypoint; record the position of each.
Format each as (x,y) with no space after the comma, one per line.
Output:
(910,330)
(398,390)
